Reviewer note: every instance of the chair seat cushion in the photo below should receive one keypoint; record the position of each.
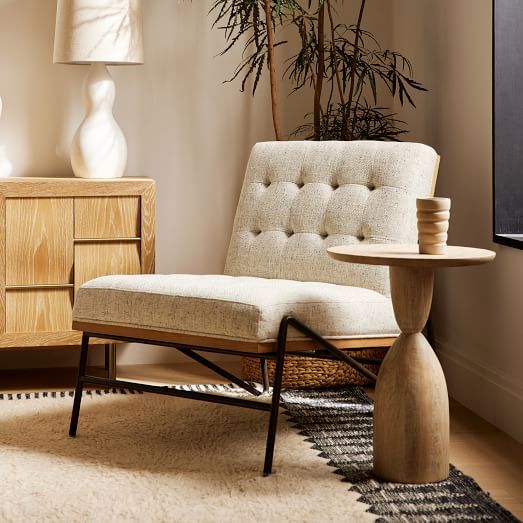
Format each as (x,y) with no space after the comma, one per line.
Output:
(233,307)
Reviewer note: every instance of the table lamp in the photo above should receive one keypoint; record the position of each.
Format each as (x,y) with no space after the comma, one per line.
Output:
(98,33)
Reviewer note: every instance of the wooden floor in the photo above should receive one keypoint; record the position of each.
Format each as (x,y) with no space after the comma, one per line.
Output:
(477,448)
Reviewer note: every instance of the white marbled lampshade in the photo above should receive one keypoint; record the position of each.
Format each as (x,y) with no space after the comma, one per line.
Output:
(108,31)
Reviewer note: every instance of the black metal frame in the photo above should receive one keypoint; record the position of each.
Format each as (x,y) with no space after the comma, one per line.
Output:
(329,352)
(497,235)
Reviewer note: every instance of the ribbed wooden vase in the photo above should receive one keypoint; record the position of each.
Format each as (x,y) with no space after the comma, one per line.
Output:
(433,223)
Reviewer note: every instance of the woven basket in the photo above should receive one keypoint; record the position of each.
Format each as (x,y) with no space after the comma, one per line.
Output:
(302,372)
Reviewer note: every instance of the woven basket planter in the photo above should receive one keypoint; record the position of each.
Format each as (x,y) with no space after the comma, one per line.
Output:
(302,372)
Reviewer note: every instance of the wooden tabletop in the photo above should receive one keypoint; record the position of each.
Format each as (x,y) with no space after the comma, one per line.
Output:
(408,255)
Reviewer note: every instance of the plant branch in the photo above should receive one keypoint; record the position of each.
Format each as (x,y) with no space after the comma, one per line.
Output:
(320,71)
(303,35)
(352,73)
(334,53)
(272,71)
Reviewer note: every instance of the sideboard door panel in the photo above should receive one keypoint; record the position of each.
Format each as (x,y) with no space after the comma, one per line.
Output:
(93,259)
(107,217)
(39,241)
(38,310)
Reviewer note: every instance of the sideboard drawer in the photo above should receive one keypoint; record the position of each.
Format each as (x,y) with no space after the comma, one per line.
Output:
(38,310)
(107,217)
(94,259)
(38,241)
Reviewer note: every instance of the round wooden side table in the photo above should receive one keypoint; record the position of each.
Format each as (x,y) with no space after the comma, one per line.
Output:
(411,410)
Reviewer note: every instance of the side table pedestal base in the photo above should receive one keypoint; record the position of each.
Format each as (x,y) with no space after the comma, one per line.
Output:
(411,412)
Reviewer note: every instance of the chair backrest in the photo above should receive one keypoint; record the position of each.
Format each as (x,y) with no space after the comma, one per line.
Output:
(299,198)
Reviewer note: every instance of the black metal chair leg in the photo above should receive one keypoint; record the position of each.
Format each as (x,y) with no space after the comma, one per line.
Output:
(276,391)
(106,359)
(264,374)
(79,385)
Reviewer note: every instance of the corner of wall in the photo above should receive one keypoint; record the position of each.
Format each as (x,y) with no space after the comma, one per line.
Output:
(491,394)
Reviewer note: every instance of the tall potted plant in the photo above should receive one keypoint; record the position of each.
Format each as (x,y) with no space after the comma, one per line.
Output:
(343,65)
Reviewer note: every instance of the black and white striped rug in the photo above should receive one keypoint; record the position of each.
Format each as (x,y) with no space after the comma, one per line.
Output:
(338,423)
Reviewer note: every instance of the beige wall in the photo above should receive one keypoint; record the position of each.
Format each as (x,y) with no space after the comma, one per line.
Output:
(477,313)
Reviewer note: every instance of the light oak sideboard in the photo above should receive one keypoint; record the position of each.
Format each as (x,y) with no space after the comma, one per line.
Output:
(57,233)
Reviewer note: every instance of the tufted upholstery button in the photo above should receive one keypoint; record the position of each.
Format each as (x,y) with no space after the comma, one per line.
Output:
(267,184)
(289,233)
(361,237)
(256,232)
(371,187)
(323,235)
(300,185)
(335,186)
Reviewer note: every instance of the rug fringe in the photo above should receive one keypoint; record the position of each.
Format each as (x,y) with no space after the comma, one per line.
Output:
(10,396)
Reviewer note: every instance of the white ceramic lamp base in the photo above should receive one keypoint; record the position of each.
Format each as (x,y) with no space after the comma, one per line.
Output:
(99,149)
(5,165)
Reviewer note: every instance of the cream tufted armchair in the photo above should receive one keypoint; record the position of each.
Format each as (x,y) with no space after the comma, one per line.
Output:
(280,291)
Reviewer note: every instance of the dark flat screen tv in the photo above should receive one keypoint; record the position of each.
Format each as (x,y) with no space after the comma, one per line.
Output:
(508,122)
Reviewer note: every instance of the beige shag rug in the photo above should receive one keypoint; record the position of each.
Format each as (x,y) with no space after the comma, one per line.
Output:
(149,458)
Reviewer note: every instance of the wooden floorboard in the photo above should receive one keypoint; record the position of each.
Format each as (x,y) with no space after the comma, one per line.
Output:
(492,458)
